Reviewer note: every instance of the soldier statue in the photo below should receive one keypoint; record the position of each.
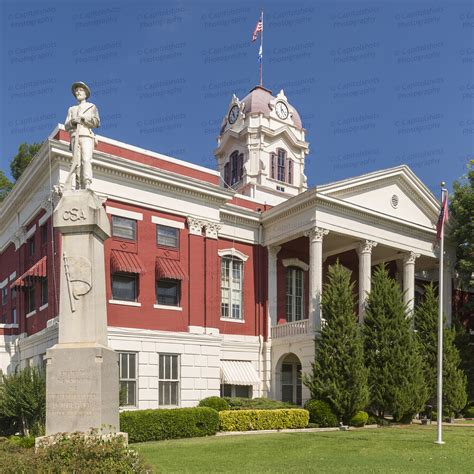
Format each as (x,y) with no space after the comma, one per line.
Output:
(80,121)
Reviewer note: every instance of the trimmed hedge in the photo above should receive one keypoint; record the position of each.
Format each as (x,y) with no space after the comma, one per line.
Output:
(155,425)
(262,403)
(321,414)
(218,403)
(248,420)
(359,419)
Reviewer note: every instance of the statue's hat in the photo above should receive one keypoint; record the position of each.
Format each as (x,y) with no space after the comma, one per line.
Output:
(83,85)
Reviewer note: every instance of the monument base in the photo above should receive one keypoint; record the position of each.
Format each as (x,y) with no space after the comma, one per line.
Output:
(82,389)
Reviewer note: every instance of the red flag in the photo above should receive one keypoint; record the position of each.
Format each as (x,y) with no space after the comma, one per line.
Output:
(258,29)
(443,216)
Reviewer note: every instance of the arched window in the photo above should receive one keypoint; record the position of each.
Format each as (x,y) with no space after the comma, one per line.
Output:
(231,287)
(281,167)
(294,294)
(234,169)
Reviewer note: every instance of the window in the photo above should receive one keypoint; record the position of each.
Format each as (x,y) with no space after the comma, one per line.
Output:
(167,236)
(124,287)
(128,378)
(281,167)
(44,291)
(30,299)
(31,247)
(294,294)
(231,288)
(14,321)
(124,228)
(44,234)
(13,295)
(168,292)
(234,169)
(243,391)
(4,295)
(168,380)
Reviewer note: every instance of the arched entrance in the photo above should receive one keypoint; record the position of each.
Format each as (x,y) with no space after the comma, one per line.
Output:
(289,379)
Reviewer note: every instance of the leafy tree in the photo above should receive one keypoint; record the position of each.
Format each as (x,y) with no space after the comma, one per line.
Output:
(454,379)
(5,186)
(396,382)
(23,400)
(339,376)
(462,210)
(23,158)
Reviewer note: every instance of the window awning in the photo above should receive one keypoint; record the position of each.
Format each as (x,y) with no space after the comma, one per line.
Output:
(38,270)
(169,269)
(125,262)
(238,372)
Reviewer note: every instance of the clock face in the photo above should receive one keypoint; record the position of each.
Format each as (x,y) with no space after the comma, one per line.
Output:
(233,114)
(282,110)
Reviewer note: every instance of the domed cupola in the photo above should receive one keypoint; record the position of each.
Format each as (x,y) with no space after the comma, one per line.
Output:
(261,147)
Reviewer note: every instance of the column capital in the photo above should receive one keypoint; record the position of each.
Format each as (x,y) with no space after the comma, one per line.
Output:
(316,234)
(366,246)
(195,225)
(212,229)
(409,258)
(273,250)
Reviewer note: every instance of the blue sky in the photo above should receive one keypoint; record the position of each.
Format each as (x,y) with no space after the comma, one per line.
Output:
(377,84)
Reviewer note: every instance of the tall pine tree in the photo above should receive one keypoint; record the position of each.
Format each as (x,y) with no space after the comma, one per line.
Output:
(339,376)
(454,379)
(396,382)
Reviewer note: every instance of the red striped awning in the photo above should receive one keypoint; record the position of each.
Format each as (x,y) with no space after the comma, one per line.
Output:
(38,270)
(125,262)
(169,269)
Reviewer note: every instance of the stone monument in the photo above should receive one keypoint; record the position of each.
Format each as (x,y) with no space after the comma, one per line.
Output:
(82,380)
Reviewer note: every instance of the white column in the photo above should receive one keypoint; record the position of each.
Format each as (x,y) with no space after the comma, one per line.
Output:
(272,287)
(316,236)
(365,274)
(409,280)
(448,289)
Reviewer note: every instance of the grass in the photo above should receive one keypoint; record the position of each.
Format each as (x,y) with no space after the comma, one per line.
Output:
(408,449)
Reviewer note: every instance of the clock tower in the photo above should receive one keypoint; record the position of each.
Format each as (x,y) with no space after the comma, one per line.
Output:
(261,148)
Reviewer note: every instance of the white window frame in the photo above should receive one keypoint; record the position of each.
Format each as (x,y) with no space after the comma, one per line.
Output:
(128,379)
(178,379)
(135,229)
(292,272)
(232,287)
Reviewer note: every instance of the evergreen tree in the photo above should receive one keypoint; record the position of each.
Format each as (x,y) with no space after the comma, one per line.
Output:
(454,379)
(396,382)
(23,158)
(339,376)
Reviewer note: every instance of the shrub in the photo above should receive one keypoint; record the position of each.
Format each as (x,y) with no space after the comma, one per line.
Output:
(359,419)
(469,412)
(218,403)
(320,413)
(247,420)
(262,403)
(22,441)
(154,425)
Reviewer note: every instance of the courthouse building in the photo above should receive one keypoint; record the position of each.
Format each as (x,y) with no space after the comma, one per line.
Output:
(213,278)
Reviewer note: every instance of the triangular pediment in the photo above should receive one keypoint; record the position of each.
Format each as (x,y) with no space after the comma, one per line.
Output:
(395,192)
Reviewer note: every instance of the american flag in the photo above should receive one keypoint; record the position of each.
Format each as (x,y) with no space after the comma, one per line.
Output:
(258,29)
(443,217)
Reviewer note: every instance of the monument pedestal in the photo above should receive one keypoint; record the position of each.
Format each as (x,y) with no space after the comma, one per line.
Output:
(82,379)
(82,388)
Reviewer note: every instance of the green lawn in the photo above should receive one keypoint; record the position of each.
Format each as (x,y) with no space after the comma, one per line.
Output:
(409,449)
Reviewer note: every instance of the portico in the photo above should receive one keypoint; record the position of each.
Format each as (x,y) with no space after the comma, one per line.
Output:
(311,231)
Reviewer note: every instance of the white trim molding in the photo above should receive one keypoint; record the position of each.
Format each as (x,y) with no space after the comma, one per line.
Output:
(115,211)
(4,283)
(167,222)
(12,276)
(125,303)
(295,262)
(31,313)
(165,306)
(232,252)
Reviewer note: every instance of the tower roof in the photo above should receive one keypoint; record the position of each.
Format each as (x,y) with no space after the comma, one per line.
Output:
(258,101)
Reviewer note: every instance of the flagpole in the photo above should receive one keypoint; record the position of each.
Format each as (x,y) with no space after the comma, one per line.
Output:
(261,49)
(439,408)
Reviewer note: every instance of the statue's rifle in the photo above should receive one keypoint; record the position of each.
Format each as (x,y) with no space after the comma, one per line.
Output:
(69,282)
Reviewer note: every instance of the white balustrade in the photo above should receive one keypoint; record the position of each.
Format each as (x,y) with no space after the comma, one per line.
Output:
(294,328)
